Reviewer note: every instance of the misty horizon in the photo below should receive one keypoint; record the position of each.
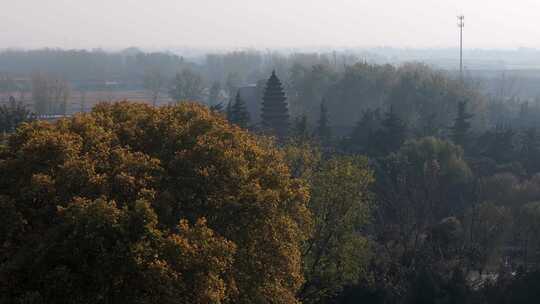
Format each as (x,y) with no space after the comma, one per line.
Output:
(263,24)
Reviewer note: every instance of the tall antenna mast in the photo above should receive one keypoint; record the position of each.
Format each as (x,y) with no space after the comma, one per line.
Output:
(461,25)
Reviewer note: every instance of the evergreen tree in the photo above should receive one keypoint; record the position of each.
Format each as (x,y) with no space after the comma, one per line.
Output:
(13,114)
(460,129)
(239,113)
(275,113)
(323,128)
(363,137)
(392,134)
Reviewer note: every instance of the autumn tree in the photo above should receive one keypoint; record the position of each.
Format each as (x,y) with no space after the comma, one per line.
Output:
(136,204)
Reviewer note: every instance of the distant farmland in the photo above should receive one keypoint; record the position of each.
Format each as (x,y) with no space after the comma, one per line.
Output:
(86,100)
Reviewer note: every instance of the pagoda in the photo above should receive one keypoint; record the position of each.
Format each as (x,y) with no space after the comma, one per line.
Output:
(275,112)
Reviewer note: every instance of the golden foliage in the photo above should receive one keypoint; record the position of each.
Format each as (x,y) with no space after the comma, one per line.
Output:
(109,197)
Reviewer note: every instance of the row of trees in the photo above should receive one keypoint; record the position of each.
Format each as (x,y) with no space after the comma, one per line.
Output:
(348,88)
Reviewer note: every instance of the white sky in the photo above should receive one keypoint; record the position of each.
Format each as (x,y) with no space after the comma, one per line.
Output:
(269,23)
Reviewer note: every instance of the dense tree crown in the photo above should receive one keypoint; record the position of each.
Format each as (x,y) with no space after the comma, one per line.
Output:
(136,204)
(275,113)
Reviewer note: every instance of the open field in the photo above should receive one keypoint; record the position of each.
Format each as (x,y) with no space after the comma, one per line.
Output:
(84,101)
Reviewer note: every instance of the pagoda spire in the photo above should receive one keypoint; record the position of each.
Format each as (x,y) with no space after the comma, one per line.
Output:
(275,112)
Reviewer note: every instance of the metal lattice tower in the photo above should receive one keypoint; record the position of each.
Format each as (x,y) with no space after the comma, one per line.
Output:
(461,25)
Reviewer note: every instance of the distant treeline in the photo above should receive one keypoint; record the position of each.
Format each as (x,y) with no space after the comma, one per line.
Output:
(129,65)
(425,97)
(80,66)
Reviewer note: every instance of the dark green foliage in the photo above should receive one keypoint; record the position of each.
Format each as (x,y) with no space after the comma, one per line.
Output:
(275,113)
(377,136)
(461,128)
(392,134)
(363,137)
(529,151)
(300,130)
(499,144)
(337,253)
(324,132)
(238,113)
(13,114)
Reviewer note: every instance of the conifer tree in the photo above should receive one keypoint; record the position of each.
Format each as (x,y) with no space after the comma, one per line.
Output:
(460,129)
(323,128)
(12,115)
(393,133)
(363,139)
(239,113)
(275,113)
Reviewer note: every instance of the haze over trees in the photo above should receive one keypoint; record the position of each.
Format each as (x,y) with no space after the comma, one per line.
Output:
(328,183)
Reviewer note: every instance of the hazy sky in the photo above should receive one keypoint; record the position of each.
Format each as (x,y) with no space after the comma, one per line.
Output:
(269,23)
